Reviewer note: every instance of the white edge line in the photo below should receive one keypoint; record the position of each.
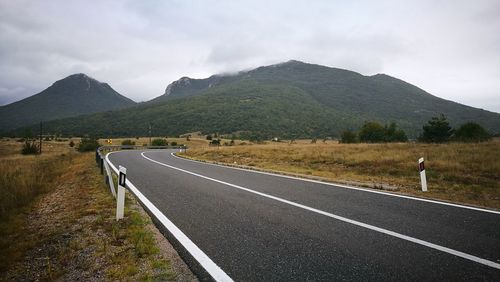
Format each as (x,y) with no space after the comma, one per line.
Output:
(342,186)
(341,218)
(213,269)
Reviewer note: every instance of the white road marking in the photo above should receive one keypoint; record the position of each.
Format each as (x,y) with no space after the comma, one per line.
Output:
(213,269)
(343,186)
(341,218)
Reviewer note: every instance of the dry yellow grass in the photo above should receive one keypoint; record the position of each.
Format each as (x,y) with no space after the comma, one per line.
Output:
(67,230)
(23,177)
(467,173)
(11,148)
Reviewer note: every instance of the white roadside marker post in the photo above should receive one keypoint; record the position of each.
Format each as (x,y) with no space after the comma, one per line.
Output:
(120,197)
(423,179)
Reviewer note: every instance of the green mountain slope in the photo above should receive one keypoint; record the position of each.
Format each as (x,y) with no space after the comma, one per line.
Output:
(72,96)
(291,99)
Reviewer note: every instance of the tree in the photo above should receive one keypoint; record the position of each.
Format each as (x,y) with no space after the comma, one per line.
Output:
(471,132)
(393,134)
(372,132)
(347,136)
(437,130)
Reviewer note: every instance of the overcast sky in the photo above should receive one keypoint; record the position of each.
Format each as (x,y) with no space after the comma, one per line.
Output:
(448,48)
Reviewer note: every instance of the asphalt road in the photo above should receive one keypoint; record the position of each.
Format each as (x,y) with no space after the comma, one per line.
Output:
(261,227)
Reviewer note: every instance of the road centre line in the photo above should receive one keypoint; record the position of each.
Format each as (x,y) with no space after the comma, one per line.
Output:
(343,186)
(341,218)
(206,262)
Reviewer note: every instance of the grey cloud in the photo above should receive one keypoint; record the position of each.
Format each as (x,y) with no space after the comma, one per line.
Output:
(449,48)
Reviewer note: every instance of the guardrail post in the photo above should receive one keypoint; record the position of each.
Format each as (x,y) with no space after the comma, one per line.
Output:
(120,197)
(423,179)
(109,178)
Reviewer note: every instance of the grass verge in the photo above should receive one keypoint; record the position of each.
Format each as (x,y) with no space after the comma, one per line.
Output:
(458,172)
(69,232)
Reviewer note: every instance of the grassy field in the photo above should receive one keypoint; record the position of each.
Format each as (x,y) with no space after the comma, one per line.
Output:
(22,177)
(458,172)
(144,141)
(58,223)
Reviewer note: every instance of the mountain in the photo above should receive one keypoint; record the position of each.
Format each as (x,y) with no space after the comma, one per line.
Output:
(185,87)
(292,99)
(72,96)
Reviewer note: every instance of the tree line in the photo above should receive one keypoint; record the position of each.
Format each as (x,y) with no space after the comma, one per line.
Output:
(436,130)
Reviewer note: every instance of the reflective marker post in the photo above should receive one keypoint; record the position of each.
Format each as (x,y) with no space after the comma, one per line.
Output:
(423,179)
(120,197)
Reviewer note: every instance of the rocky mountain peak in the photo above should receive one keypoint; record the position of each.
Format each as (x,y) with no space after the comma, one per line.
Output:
(182,82)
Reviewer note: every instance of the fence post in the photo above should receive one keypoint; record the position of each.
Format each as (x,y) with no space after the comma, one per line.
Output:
(423,179)
(120,197)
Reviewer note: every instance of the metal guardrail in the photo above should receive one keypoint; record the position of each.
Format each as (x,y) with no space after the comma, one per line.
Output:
(103,164)
(201,264)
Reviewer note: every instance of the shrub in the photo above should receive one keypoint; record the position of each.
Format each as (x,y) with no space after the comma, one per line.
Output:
(374,132)
(471,132)
(128,142)
(347,136)
(209,137)
(173,143)
(30,148)
(159,142)
(87,145)
(215,142)
(71,144)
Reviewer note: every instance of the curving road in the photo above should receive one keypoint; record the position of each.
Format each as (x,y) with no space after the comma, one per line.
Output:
(263,227)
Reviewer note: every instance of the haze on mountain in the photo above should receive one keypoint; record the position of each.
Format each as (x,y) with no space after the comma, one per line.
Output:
(74,95)
(449,48)
(290,100)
